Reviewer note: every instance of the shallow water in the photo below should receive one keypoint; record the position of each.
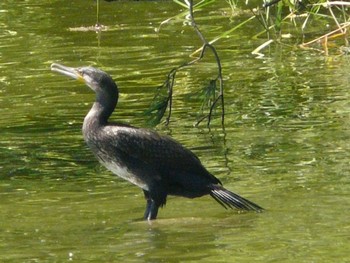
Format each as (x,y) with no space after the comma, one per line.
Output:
(285,144)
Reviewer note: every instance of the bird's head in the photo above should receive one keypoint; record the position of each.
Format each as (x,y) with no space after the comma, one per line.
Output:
(98,80)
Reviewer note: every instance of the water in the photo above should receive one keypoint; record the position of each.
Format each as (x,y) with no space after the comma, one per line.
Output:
(285,145)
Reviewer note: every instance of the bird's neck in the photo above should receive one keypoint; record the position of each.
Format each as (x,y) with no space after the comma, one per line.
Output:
(99,113)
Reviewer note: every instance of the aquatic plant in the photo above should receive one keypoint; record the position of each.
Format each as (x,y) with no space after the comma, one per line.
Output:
(332,16)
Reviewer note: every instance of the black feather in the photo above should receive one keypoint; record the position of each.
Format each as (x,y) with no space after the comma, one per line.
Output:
(228,199)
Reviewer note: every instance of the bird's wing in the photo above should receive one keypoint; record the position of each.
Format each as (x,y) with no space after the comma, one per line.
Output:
(162,153)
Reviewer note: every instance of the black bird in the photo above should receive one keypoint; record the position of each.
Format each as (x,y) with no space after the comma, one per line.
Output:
(156,163)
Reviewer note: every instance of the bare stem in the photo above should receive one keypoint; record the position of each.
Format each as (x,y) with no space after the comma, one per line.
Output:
(169,83)
(206,44)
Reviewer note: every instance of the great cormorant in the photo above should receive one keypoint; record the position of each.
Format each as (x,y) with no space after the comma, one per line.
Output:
(156,163)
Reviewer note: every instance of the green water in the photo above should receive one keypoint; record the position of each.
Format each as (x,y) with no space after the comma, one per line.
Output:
(285,145)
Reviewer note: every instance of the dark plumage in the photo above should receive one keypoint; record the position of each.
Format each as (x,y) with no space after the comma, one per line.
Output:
(156,163)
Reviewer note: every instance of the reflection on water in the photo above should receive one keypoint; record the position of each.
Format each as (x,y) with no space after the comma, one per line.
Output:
(285,143)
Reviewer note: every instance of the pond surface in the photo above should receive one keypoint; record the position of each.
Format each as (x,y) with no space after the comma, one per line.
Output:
(285,144)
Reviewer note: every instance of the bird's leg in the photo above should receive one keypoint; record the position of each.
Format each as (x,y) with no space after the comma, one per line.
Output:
(151,207)
(151,210)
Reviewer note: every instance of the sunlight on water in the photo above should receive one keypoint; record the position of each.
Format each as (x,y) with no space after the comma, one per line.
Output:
(284,146)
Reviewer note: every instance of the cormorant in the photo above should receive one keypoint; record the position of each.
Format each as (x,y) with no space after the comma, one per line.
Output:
(156,163)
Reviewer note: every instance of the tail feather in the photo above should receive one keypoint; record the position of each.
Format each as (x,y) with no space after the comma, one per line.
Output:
(231,200)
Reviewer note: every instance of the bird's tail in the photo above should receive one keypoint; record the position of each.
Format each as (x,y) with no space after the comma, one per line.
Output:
(228,199)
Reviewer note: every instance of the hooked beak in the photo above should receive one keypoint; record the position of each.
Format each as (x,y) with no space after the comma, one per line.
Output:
(67,71)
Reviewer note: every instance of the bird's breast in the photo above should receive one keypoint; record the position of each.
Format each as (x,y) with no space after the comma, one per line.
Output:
(125,173)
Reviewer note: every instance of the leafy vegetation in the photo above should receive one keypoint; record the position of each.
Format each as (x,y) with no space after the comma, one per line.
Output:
(213,92)
(332,18)
(280,20)
(275,16)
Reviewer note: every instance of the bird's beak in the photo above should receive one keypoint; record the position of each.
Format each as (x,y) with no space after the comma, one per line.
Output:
(67,71)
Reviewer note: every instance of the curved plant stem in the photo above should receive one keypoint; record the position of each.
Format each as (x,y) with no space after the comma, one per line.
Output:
(219,78)
(170,81)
